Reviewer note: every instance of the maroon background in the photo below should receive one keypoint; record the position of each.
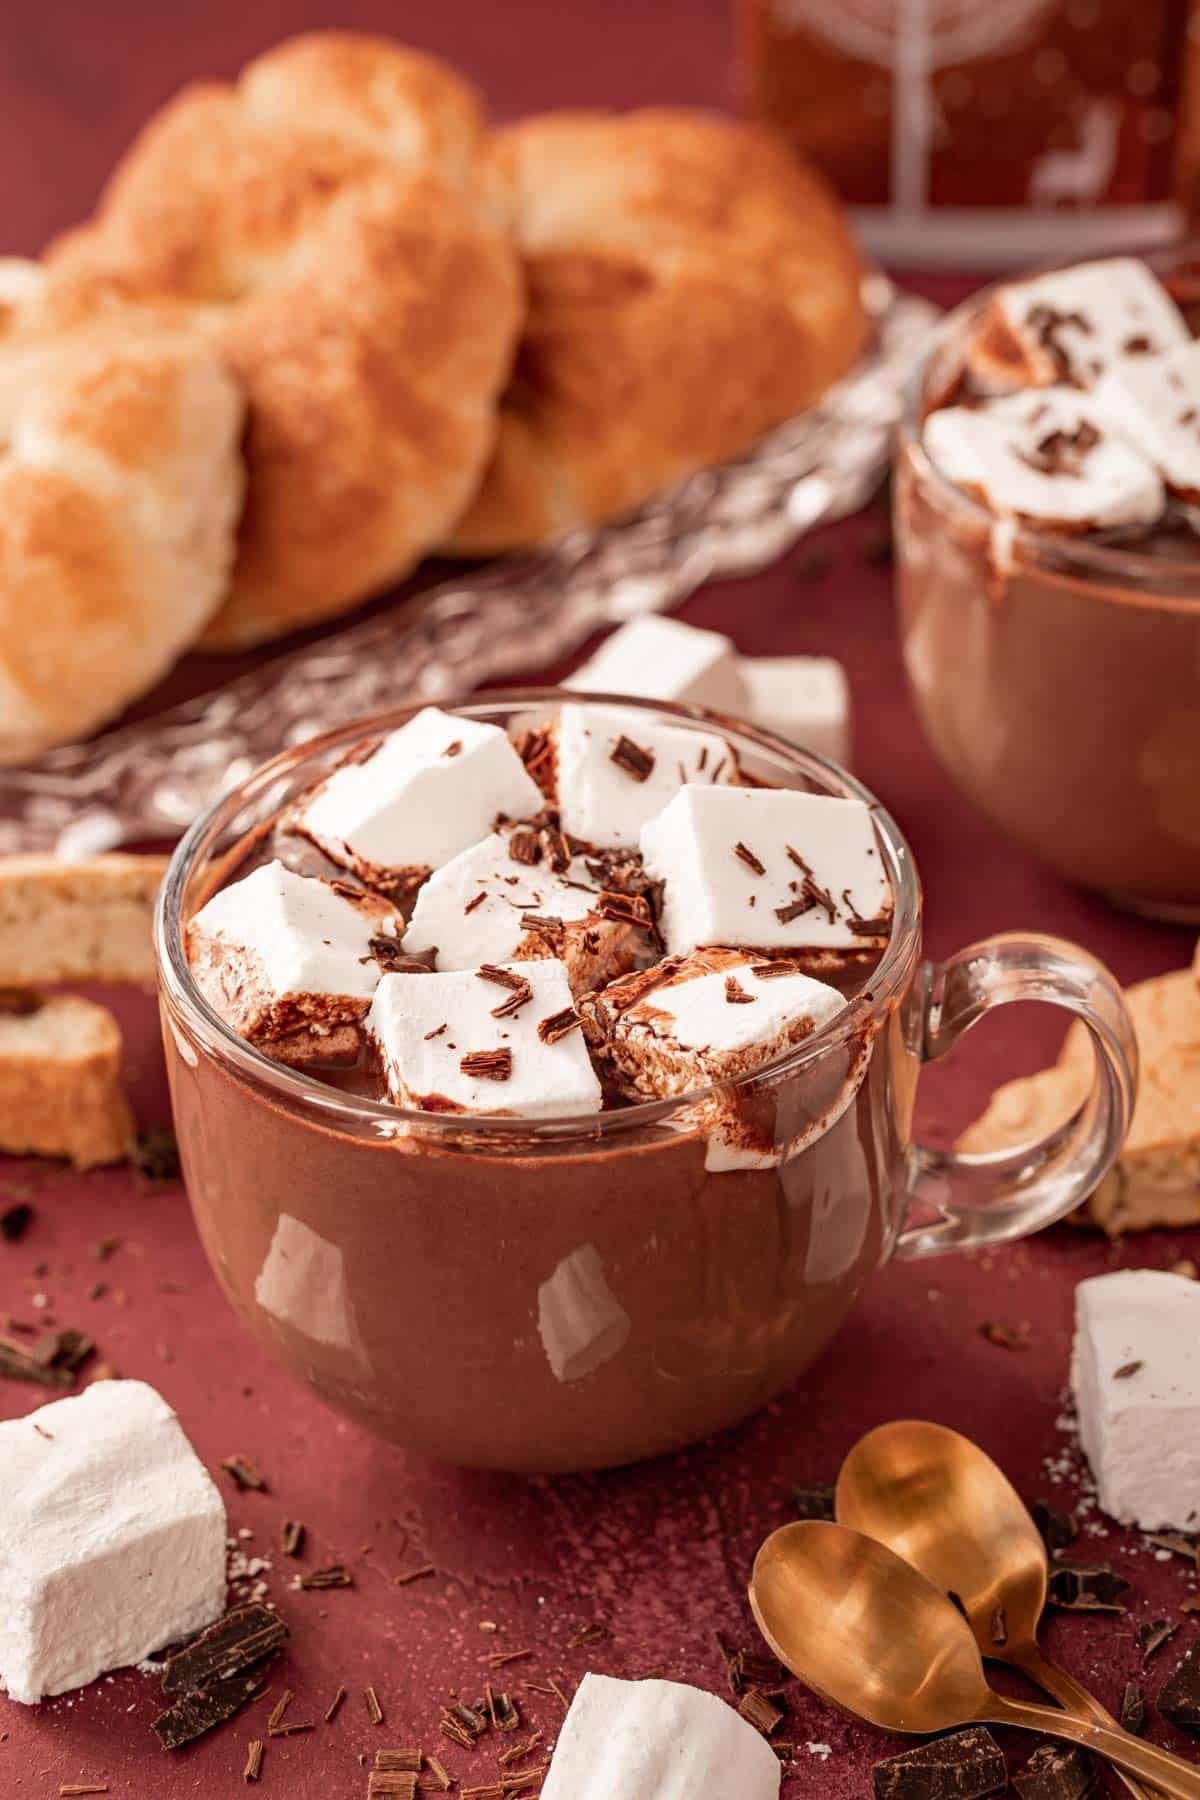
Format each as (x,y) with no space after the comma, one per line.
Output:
(660,1554)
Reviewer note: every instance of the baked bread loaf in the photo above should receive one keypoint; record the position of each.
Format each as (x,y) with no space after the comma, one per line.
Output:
(318,223)
(120,486)
(60,1087)
(691,285)
(64,922)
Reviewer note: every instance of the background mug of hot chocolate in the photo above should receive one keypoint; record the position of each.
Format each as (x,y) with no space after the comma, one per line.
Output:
(558,1293)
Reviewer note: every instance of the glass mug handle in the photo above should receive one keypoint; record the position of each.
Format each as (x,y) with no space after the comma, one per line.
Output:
(994,1196)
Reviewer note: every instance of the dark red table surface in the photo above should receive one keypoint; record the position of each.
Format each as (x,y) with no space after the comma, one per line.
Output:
(654,1558)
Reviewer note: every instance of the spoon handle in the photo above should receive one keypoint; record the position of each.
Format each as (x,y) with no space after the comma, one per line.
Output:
(1161,1768)
(1072,1695)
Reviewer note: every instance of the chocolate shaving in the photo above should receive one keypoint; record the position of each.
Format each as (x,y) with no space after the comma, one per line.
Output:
(488,1065)
(70,1790)
(1180,1699)
(15,1221)
(558,851)
(435,1033)
(525,846)
(504,978)
(1056,1772)
(404,1760)
(746,855)
(386,951)
(814,1500)
(374,1710)
(625,909)
(1133,1708)
(1062,452)
(1153,1635)
(1058,1529)
(1086,1587)
(395,1784)
(243,1473)
(413,1575)
(155,1156)
(1005,1337)
(1126,1370)
(275,1724)
(503,1711)
(336,1576)
(439,1774)
(998,1627)
(475,901)
(965,1766)
(52,1360)
(759,1711)
(735,993)
(793,910)
(291,1537)
(632,758)
(454,748)
(332,1710)
(558,1025)
(772,970)
(543,923)
(254,1760)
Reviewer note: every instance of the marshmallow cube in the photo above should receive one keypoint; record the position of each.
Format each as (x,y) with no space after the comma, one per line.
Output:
(1135,1373)
(604,798)
(112,1538)
(1049,455)
(425,1025)
(664,659)
(429,790)
(1075,324)
(709,845)
(278,953)
(1154,403)
(803,698)
(657,1740)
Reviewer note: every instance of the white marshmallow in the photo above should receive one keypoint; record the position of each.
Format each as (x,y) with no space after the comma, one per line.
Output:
(599,800)
(1049,455)
(425,1024)
(1154,402)
(1074,324)
(664,659)
(713,896)
(450,917)
(430,789)
(804,698)
(112,1538)
(657,1740)
(1135,1372)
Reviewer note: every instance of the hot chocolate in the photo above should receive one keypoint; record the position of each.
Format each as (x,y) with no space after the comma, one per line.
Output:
(1049,571)
(550,1203)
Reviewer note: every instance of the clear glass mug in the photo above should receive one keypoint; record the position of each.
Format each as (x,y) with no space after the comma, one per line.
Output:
(567,1294)
(1057,678)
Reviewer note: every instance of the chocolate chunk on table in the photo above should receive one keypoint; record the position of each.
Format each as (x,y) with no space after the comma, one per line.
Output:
(236,1642)
(194,1714)
(814,1500)
(1180,1698)
(965,1766)
(1056,1772)
(1086,1587)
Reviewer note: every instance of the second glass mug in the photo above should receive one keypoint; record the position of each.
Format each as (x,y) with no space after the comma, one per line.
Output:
(568,1294)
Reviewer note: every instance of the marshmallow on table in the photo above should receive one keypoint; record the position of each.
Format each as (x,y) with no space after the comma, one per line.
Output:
(712,1017)
(804,698)
(1154,403)
(616,770)
(112,1538)
(663,659)
(499,1039)
(429,790)
(1073,325)
(769,869)
(473,910)
(657,1740)
(1050,456)
(1135,1373)
(290,962)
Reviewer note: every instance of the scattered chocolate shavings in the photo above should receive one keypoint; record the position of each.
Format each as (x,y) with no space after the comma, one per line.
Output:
(386,951)
(557,849)
(395,1784)
(275,1724)
(1056,1772)
(1132,1715)
(254,1760)
(525,846)
(436,1032)
(453,749)
(543,923)
(71,1790)
(244,1474)
(105,1247)
(998,1627)
(558,1025)
(1126,1370)
(1086,1587)
(1062,452)
(793,910)
(443,1779)
(1180,1698)
(625,909)
(196,1713)
(475,900)
(240,1640)
(759,1711)
(504,978)
(746,855)
(515,1752)
(814,1500)
(735,993)
(489,1792)
(336,1576)
(770,971)
(965,1766)
(155,1156)
(488,1065)
(413,1575)
(291,1537)
(15,1221)
(331,1711)
(632,758)
(502,1711)
(1058,1529)
(52,1360)
(406,1761)
(522,1782)
(1005,1337)
(1153,1635)
(374,1710)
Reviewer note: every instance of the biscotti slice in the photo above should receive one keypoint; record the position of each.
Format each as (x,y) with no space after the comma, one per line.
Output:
(1156,1180)
(91,920)
(60,1092)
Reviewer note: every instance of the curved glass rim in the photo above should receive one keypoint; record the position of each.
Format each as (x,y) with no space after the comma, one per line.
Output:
(1056,551)
(216,1037)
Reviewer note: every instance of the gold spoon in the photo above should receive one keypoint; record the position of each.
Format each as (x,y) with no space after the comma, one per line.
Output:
(941,1504)
(870,1634)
